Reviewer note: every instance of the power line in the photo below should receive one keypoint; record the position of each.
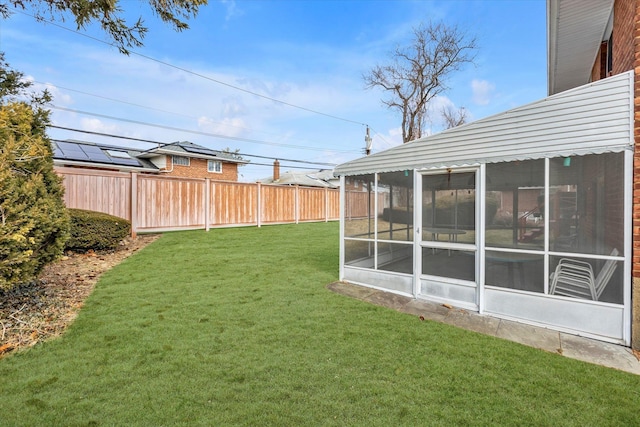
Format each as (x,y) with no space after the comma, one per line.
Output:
(195,132)
(103,134)
(117,100)
(194,73)
(161,143)
(249,164)
(151,108)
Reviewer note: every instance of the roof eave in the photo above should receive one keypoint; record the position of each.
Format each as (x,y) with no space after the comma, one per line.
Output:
(92,165)
(575,29)
(162,152)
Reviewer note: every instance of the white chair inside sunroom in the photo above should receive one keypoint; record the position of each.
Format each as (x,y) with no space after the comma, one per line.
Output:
(575,278)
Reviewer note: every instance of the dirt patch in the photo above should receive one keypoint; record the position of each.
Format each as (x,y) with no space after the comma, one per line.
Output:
(42,309)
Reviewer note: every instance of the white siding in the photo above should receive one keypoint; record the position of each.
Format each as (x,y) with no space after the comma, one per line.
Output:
(594,118)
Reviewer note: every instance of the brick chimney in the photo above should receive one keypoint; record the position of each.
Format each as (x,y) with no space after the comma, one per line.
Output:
(276,170)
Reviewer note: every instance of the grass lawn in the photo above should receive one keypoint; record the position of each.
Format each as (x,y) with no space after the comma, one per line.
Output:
(236,327)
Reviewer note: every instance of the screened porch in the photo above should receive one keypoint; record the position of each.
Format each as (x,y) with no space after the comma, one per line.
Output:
(524,215)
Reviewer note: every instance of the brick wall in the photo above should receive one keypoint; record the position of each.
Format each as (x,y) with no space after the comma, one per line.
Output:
(198,169)
(624,14)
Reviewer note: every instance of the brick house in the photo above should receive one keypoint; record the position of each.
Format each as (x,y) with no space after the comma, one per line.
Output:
(530,215)
(178,159)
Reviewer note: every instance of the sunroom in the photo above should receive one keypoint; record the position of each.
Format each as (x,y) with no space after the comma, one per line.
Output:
(525,215)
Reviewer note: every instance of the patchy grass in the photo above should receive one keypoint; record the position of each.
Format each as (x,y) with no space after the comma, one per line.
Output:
(236,327)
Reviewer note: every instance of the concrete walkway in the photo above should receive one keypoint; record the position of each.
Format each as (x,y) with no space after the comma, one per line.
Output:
(575,347)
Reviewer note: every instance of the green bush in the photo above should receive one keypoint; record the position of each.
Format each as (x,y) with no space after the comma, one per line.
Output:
(33,219)
(96,230)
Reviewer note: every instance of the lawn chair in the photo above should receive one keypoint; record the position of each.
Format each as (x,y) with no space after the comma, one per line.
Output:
(575,278)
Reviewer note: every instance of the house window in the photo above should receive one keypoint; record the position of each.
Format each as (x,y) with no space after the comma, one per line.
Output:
(607,42)
(214,166)
(609,69)
(180,160)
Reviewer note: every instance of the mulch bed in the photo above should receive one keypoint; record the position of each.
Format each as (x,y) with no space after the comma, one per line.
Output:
(43,309)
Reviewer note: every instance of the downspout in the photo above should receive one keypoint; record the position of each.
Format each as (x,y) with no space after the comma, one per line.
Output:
(171,170)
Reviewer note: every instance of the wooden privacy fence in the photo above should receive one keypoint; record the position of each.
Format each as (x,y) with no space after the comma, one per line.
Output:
(159,203)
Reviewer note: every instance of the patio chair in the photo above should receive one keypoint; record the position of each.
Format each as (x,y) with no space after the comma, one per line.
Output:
(575,278)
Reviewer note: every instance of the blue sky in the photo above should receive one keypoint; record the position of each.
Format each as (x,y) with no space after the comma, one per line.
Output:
(310,54)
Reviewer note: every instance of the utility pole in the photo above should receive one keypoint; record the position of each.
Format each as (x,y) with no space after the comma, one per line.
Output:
(367,141)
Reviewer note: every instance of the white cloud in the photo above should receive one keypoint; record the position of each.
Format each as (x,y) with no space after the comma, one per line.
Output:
(391,139)
(97,125)
(232,9)
(482,91)
(59,97)
(230,126)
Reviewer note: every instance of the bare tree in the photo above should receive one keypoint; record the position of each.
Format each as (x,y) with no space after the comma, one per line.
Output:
(419,72)
(452,117)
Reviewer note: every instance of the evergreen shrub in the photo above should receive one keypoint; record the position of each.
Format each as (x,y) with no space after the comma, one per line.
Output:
(33,219)
(96,230)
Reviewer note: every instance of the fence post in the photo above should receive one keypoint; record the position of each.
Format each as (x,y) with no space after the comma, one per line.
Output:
(134,204)
(296,210)
(326,204)
(259,219)
(207,198)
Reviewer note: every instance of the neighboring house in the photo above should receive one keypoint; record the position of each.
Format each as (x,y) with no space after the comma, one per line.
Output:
(319,178)
(530,215)
(181,159)
(190,160)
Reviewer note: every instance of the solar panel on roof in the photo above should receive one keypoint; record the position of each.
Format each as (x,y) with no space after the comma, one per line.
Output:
(71,151)
(95,154)
(83,152)
(57,153)
(199,150)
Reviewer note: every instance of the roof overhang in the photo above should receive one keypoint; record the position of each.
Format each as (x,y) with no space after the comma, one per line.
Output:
(161,152)
(575,29)
(102,166)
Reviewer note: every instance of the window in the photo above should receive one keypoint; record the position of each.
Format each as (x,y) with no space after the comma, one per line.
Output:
(214,166)
(609,69)
(180,160)
(607,47)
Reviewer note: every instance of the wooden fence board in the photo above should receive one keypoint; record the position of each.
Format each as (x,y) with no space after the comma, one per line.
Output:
(277,204)
(233,203)
(312,204)
(108,192)
(168,203)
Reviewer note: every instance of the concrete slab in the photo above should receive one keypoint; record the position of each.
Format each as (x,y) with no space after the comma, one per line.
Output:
(430,310)
(350,290)
(473,322)
(532,336)
(387,299)
(600,353)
